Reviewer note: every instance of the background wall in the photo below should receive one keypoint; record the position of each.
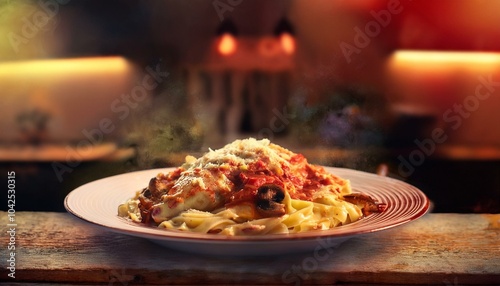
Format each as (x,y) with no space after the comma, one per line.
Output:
(355,97)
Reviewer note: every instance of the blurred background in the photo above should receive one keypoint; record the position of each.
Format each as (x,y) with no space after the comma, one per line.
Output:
(409,89)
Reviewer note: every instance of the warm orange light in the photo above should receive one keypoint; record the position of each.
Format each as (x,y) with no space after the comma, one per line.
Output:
(48,67)
(441,61)
(287,43)
(227,44)
(410,56)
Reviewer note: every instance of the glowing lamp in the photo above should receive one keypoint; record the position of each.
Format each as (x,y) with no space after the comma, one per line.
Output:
(227,44)
(285,33)
(287,43)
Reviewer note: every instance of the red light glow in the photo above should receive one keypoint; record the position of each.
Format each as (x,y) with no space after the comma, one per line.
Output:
(227,45)
(287,43)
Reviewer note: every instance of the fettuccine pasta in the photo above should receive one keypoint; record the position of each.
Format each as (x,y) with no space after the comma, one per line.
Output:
(248,187)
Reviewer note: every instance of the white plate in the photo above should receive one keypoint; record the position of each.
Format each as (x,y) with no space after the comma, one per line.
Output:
(97,202)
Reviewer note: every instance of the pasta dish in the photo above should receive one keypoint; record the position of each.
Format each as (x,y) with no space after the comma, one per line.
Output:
(248,187)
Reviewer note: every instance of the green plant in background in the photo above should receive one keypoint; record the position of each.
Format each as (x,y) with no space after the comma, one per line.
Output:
(162,130)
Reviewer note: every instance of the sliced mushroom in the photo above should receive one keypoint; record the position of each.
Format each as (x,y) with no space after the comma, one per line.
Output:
(367,204)
(269,198)
(148,197)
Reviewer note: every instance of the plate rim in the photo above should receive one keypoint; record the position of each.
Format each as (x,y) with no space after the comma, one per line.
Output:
(138,230)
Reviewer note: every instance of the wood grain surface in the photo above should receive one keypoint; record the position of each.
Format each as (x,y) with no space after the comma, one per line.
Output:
(438,249)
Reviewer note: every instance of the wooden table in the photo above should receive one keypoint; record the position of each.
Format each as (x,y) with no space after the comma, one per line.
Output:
(439,249)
